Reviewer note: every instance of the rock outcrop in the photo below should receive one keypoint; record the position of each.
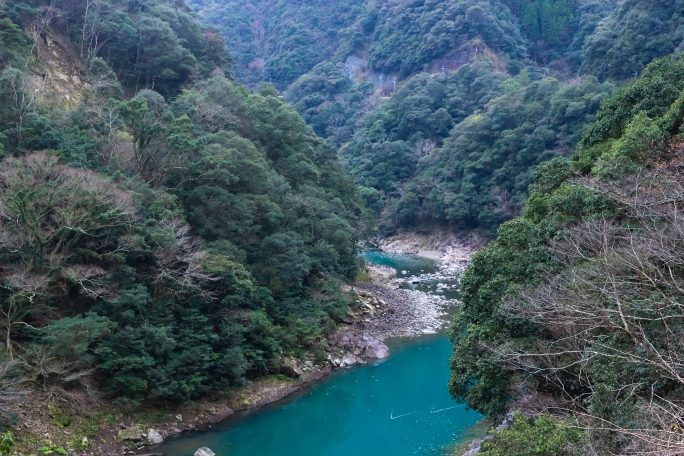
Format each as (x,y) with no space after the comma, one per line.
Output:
(204,451)
(349,347)
(154,437)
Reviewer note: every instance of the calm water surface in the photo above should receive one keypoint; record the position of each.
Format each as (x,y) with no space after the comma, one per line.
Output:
(399,407)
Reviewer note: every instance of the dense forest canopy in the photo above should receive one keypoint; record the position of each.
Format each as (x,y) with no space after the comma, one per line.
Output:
(278,41)
(166,232)
(575,309)
(172,233)
(430,150)
(631,37)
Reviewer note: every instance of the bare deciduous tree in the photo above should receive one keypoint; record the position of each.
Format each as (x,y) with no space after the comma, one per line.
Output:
(620,299)
(180,262)
(62,381)
(48,214)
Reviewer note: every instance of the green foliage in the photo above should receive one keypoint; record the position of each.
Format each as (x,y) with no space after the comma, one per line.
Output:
(150,44)
(484,167)
(51,449)
(72,337)
(557,29)
(546,22)
(278,41)
(281,41)
(462,155)
(171,243)
(642,136)
(543,436)
(597,222)
(653,94)
(6,443)
(406,37)
(514,260)
(13,44)
(635,34)
(59,416)
(428,159)
(329,101)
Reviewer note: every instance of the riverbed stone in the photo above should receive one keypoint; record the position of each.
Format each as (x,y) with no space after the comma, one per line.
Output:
(291,368)
(350,360)
(375,349)
(219,414)
(204,451)
(154,437)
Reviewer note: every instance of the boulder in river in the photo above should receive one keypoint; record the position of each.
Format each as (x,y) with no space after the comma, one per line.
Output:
(350,360)
(354,347)
(374,348)
(204,451)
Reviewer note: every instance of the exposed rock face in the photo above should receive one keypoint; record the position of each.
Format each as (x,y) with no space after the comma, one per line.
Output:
(451,252)
(297,368)
(60,80)
(291,367)
(204,452)
(475,447)
(349,347)
(375,349)
(219,414)
(154,437)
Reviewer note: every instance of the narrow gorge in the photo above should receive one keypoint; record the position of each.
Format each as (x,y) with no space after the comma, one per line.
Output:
(374,227)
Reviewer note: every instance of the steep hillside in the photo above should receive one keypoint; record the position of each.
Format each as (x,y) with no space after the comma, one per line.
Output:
(278,41)
(417,96)
(630,38)
(575,310)
(463,154)
(165,232)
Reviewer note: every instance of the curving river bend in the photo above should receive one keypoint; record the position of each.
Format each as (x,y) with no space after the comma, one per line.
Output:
(398,407)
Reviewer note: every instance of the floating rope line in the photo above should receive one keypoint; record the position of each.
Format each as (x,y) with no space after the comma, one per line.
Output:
(392,417)
(443,410)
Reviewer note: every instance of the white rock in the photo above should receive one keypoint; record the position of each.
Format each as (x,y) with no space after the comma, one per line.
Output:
(154,437)
(204,451)
(350,360)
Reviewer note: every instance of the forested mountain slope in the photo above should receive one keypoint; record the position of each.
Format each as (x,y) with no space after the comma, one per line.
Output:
(629,39)
(572,314)
(278,41)
(442,109)
(575,310)
(169,235)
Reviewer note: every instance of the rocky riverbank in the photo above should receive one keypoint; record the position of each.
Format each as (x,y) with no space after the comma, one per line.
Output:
(386,309)
(390,308)
(405,313)
(451,252)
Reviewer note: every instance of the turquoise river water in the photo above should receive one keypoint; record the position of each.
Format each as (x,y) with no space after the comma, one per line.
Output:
(398,407)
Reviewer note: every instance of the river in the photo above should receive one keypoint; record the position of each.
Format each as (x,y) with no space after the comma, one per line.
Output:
(398,407)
